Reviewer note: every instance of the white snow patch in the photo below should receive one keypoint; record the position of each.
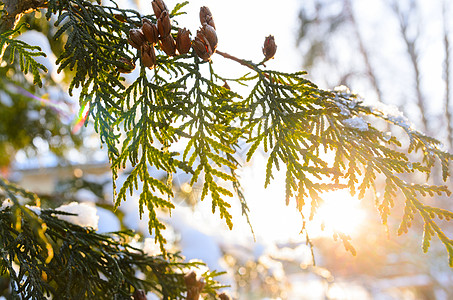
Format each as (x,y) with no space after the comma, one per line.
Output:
(392,113)
(35,209)
(84,195)
(357,123)
(5,204)
(343,109)
(8,203)
(85,214)
(108,221)
(342,89)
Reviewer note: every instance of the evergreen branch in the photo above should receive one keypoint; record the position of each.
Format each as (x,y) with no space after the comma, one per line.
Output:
(26,54)
(281,109)
(289,117)
(85,264)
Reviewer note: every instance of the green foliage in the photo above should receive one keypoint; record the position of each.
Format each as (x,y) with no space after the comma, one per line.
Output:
(66,261)
(304,129)
(22,112)
(26,54)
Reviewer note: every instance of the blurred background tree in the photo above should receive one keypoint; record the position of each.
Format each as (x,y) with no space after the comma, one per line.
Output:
(397,53)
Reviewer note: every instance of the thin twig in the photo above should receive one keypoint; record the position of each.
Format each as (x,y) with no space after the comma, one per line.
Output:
(241,61)
(246,63)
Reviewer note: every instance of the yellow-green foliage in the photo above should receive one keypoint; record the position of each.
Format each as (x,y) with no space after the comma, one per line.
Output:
(184,99)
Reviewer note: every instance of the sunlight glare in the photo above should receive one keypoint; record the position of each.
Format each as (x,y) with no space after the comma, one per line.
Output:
(340,212)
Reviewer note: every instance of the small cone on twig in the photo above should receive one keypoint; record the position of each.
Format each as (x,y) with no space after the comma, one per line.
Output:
(133,44)
(139,295)
(120,17)
(269,47)
(224,296)
(205,42)
(136,38)
(168,45)
(202,47)
(194,286)
(210,34)
(164,24)
(127,65)
(148,56)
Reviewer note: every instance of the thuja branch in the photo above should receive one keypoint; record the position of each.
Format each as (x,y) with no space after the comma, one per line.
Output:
(116,270)
(356,144)
(285,114)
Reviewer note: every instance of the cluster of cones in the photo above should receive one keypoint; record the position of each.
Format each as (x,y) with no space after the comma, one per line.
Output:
(204,44)
(150,34)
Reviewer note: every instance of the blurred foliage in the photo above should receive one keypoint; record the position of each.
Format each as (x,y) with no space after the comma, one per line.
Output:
(44,256)
(25,116)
